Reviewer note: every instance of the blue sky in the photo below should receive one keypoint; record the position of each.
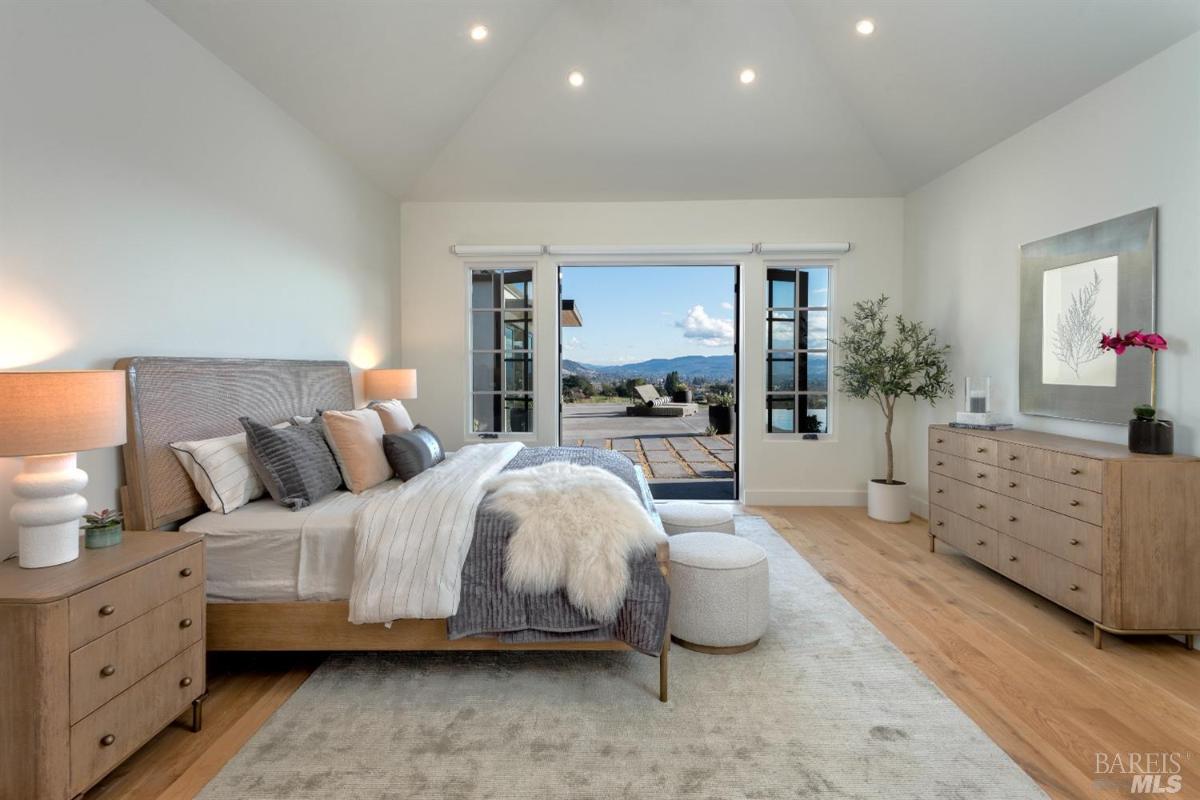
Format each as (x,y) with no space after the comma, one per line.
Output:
(636,313)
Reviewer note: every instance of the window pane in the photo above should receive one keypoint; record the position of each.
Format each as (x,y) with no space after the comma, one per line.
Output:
(813,413)
(518,330)
(484,289)
(812,330)
(781,330)
(781,414)
(781,373)
(485,372)
(518,373)
(485,413)
(483,330)
(518,288)
(781,288)
(518,412)
(813,369)
(812,287)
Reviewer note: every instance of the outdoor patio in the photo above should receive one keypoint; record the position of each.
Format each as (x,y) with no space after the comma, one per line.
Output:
(680,460)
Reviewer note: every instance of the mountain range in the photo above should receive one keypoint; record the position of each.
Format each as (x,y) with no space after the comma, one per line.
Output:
(713,368)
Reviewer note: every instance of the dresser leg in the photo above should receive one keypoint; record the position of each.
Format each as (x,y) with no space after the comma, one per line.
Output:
(932,542)
(1189,641)
(198,712)
(1097,635)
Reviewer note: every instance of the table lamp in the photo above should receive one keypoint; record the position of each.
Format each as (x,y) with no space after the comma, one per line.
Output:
(47,417)
(390,384)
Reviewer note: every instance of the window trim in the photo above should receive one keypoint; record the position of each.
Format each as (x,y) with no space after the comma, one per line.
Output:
(471,267)
(831,415)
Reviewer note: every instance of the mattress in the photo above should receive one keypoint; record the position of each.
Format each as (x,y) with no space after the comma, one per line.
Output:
(264,552)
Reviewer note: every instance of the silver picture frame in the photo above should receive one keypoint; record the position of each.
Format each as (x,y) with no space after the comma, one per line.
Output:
(1067,298)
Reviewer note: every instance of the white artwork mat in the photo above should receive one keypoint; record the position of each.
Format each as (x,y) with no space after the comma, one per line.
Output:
(1079,304)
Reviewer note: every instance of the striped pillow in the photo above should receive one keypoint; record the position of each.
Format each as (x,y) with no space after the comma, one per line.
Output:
(295,463)
(220,469)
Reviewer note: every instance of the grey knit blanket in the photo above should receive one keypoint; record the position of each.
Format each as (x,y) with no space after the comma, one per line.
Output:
(487,607)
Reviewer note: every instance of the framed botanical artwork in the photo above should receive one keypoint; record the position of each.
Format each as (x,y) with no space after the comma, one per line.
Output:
(1076,287)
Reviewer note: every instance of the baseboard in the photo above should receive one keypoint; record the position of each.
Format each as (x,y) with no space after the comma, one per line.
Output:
(920,505)
(804,497)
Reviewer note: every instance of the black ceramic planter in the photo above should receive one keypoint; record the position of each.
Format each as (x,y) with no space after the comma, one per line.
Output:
(1151,436)
(721,418)
(682,396)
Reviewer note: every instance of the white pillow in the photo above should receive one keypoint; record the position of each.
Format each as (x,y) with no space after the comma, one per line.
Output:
(394,416)
(220,469)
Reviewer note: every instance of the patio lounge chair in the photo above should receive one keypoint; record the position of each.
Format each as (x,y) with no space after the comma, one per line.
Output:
(655,405)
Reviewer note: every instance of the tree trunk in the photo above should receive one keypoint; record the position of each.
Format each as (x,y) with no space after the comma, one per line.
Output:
(887,439)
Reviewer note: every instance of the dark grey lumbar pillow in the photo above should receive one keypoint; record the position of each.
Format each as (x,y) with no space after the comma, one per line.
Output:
(412,453)
(295,463)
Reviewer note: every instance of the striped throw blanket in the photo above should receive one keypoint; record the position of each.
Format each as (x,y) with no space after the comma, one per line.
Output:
(410,544)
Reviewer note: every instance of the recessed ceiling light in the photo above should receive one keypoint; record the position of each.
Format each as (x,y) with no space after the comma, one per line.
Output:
(747,75)
(575,78)
(479,33)
(865,26)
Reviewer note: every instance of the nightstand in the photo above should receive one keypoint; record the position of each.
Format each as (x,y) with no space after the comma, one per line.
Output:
(98,656)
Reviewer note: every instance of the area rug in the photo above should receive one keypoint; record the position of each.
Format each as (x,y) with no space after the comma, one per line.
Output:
(825,706)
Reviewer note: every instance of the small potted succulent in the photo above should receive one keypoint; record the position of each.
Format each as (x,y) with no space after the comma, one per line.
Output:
(1146,434)
(102,529)
(720,412)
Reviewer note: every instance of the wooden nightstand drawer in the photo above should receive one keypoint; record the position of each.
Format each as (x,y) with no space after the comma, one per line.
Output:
(1067,584)
(102,740)
(108,666)
(110,605)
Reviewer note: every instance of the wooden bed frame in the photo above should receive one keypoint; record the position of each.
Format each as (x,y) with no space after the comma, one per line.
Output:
(183,399)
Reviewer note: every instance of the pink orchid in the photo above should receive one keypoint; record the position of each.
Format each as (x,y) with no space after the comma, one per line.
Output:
(1114,343)
(1154,341)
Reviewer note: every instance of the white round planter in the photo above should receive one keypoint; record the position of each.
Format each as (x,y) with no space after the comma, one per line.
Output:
(887,502)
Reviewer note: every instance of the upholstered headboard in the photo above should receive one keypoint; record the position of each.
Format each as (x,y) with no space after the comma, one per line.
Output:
(182,399)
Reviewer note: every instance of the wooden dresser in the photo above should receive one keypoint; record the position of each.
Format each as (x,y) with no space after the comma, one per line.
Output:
(1111,535)
(97,656)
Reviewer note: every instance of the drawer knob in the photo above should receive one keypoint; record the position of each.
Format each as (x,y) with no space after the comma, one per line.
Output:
(1074,541)
(980,449)
(186,622)
(939,463)
(107,670)
(980,542)
(107,739)
(185,682)
(939,441)
(186,572)
(1074,502)
(1074,588)
(980,506)
(940,523)
(1012,558)
(1012,484)
(1012,458)
(1011,518)
(107,611)
(980,475)
(940,491)
(1075,470)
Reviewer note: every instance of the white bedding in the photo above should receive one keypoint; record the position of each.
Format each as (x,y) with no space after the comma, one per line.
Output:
(264,552)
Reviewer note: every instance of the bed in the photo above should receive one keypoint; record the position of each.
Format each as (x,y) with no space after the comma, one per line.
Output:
(277,578)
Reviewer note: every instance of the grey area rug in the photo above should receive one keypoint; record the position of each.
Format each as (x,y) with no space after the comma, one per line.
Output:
(825,706)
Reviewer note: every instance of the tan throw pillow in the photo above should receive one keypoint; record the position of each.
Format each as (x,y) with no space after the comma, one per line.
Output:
(356,438)
(394,415)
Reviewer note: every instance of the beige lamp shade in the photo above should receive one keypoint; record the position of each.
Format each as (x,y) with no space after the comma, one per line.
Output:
(390,384)
(61,412)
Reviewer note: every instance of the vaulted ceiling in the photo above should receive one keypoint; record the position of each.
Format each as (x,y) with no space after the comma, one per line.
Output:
(401,89)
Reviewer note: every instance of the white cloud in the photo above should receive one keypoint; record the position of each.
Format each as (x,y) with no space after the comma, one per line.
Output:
(705,330)
(728,306)
(573,344)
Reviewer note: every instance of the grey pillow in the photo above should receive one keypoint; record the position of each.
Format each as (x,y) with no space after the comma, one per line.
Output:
(412,453)
(295,463)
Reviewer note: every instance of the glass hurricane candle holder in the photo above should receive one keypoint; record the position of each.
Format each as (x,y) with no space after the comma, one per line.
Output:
(978,395)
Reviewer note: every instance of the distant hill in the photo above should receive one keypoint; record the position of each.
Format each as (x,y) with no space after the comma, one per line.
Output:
(713,368)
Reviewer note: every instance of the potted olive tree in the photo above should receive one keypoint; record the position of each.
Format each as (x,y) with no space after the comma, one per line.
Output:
(872,366)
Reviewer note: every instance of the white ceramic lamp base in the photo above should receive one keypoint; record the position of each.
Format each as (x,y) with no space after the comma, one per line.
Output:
(49,510)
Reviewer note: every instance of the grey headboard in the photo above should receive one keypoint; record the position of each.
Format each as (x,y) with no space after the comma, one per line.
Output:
(181,399)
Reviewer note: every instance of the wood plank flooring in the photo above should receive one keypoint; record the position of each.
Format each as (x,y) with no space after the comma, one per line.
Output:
(1022,668)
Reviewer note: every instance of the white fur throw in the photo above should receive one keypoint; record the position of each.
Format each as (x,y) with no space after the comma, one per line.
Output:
(577,527)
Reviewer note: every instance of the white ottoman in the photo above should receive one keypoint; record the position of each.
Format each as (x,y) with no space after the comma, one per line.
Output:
(687,517)
(720,598)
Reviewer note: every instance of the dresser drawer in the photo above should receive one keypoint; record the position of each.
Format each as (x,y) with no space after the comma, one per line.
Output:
(947,442)
(102,669)
(973,539)
(1065,537)
(980,449)
(1011,455)
(110,605)
(973,472)
(1083,473)
(133,716)
(1068,500)
(1067,584)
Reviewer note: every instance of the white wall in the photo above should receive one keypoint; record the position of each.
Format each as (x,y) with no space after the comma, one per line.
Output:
(1128,145)
(432,302)
(153,203)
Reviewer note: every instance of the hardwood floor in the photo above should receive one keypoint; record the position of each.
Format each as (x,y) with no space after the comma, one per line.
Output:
(1022,668)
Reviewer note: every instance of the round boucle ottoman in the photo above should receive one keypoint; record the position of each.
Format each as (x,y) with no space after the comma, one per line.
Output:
(687,517)
(719,592)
